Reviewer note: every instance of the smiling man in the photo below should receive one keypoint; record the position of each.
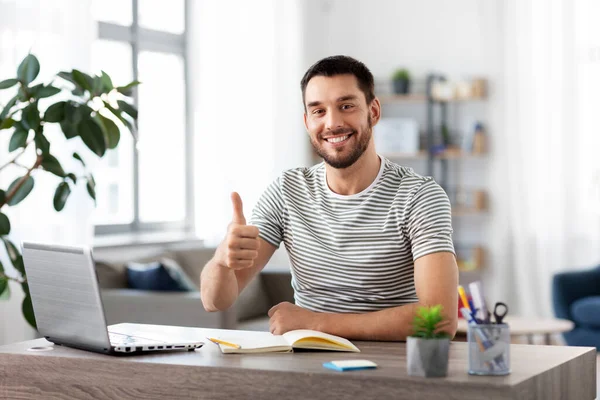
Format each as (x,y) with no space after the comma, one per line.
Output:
(369,240)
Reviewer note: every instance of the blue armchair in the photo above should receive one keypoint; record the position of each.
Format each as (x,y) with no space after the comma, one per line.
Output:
(576,296)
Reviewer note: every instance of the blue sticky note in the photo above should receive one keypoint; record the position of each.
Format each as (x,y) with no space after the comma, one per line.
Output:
(350,365)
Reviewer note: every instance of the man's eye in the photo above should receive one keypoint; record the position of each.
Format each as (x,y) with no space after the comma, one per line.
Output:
(347,106)
(318,111)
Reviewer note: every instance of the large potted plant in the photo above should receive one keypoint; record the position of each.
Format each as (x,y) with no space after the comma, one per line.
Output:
(427,347)
(89,108)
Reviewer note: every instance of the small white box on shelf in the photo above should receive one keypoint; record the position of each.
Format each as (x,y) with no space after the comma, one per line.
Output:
(397,135)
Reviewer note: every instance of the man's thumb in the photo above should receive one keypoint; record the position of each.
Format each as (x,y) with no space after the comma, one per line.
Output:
(238,209)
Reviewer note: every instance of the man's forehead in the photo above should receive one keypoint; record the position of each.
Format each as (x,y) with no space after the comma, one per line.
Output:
(331,88)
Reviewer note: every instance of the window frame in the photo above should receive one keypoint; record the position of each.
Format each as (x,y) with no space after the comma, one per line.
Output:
(144,39)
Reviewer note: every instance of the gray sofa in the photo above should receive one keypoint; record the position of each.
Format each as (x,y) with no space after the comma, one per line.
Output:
(122,304)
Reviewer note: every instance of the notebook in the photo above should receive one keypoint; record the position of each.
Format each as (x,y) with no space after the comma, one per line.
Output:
(266,342)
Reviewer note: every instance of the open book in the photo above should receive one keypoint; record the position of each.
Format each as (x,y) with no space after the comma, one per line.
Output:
(265,342)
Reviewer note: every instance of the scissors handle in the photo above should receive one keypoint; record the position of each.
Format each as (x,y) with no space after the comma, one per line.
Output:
(499,316)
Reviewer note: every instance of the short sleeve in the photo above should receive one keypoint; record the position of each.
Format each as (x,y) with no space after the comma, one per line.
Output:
(267,214)
(428,221)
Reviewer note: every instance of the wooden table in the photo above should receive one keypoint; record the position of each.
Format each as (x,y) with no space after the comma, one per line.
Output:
(538,372)
(522,326)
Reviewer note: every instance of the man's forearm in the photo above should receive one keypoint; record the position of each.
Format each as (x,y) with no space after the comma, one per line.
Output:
(218,286)
(391,324)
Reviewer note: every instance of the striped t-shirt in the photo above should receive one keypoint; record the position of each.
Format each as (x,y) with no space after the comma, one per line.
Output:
(355,253)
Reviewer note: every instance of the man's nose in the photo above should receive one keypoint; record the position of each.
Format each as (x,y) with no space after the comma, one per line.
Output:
(334,120)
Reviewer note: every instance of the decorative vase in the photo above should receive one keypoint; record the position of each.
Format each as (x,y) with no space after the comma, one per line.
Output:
(427,357)
(401,86)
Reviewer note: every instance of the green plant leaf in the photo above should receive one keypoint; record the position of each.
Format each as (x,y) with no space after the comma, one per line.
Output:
(7,123)
(67,76)
(4,224)
(28,313)
(72,177)
(107,82)
(83,80)
(31,116)
(8,83)
(97,85)
(91,134)
(18,140)
(2,197)
(128,108)
(91,187)
(61,195)
(111,131)
(28,69)
(47,91)
(23,191)
(13,254)
(41,143)
(55,113)
(51,164)
(78,157)
(127,89)
(69,129)
(3,287)
(11,103)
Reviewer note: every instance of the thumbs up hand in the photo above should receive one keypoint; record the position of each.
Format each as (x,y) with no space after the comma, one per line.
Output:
(241,243)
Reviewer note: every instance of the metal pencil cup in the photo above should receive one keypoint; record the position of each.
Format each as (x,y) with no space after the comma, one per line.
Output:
(489,349)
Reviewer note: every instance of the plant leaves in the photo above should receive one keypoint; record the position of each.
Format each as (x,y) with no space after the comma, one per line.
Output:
(52,165)
(111,131)
(47,91)
(67,76)
(127,89)
(23,191)
(42,143)
(11,103)
(61,195)
(8,83)
(91,134)
(83,80)
(7,123)
(28,69)
(13,254)
(91,187)
(31,116)
(3,287)
(28,313)
(4,225)
(55,113)
(69,129)
(2,197)
(78,157)
(107,82)
(72,177)
(128,108)
(18,140)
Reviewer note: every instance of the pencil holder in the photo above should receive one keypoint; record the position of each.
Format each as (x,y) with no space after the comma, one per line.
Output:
(489,349)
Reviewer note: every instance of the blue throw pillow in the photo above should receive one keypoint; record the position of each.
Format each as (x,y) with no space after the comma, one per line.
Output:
(586,311)
(157,276)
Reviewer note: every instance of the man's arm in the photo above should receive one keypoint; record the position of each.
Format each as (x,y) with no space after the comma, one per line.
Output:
(436,281)
(238,259)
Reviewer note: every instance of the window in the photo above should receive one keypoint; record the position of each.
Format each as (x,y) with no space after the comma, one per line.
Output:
(146,186)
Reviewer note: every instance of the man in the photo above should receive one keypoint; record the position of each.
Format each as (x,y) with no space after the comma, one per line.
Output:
(369,241)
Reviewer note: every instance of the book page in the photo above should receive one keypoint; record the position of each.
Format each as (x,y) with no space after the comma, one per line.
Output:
(253,342)
(309,339)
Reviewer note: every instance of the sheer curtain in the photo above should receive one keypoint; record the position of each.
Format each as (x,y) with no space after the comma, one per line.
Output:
(245,65)
(59,33)
(545,161)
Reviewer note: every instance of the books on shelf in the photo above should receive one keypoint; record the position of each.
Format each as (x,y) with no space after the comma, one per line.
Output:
(265,342)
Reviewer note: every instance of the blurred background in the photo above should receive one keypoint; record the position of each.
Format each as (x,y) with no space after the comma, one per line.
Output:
(498,100)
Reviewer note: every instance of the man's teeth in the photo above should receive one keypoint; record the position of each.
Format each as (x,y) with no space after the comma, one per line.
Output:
(338,139)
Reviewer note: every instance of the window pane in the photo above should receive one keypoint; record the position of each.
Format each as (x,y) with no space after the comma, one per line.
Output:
(114,11)
(162,15)
(162,137)
(114,172)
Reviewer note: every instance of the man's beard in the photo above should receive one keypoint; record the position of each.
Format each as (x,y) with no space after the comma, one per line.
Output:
(357,151)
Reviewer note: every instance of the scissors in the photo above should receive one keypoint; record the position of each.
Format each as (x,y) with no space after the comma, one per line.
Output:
(500,311)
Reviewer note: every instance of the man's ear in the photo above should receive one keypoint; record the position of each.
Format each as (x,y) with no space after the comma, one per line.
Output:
(375,111)
(305,124)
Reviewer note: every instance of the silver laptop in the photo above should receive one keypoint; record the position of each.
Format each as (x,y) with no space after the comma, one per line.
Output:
(68,307)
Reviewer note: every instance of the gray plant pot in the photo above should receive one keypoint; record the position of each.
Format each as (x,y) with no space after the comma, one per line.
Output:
(427,357)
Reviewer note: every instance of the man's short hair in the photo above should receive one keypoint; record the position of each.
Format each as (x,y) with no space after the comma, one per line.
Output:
(341,65)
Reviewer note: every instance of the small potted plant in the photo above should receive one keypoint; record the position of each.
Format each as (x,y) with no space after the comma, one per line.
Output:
(427,348)
(401,81)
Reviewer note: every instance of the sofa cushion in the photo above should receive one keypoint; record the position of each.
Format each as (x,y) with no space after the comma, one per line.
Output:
(253,301)
(586,311)
(111,276)
(164,275)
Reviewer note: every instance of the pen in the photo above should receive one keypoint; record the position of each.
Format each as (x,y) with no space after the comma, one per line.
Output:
(476,290)
(218,341)
(463,297)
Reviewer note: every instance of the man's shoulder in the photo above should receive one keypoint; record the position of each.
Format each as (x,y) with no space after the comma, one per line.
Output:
(301,174)
(404,178)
